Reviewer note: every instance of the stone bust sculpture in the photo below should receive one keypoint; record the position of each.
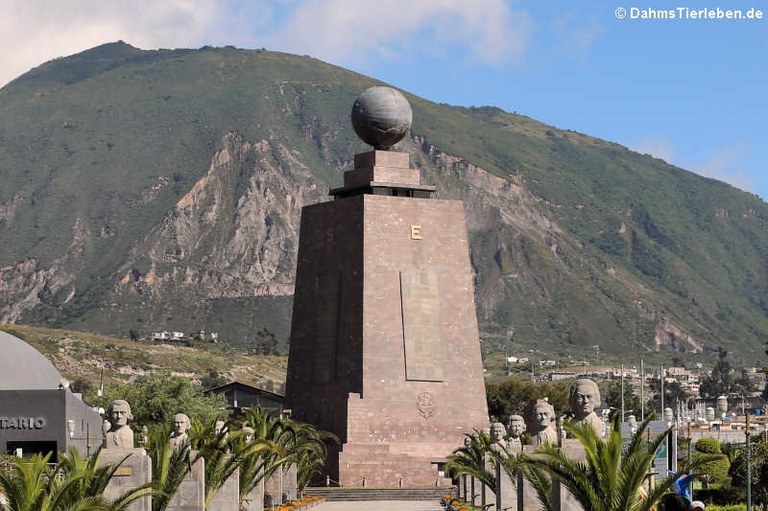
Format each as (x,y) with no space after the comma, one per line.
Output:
(181,425)
(119,435)
(516,429)
(632,424)
(584,398)
(498,432)
(543,423)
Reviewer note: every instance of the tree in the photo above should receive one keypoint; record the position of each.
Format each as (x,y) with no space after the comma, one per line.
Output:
(743,384)
(512,396)
(169,466)
(157,396)
(714,466)
(277,443)
(472,459)
(260,455)
(212,379)
(265,343)
(720,381)
(612,399)
(611,477)
(84,387)
(308,451)
(759,470)
(73,484)
(674,393)
(213,446)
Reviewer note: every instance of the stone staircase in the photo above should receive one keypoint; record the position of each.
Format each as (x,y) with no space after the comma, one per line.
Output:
(368,494)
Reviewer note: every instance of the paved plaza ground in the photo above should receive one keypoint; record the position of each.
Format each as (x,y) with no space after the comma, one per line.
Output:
(382,505)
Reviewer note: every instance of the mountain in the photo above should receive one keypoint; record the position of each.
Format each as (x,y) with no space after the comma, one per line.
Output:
(161,190)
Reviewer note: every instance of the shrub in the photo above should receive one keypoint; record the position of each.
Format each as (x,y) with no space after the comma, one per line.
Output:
(708,445)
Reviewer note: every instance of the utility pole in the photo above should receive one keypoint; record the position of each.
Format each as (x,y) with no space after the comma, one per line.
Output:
(749,465)
(642,391)
(661,386)
(622,393)
(690,445)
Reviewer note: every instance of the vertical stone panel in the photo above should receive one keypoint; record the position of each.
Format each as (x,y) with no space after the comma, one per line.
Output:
(191,493)
(135,471)
(421,326)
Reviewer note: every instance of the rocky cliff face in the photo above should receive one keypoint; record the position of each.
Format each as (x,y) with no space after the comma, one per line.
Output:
(234,234)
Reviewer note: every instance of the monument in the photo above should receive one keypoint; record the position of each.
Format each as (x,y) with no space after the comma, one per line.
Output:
(384,347)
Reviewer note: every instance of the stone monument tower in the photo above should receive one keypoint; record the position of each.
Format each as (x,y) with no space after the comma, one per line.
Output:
(384,343)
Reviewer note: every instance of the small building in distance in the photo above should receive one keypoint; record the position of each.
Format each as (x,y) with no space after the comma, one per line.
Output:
(240,396)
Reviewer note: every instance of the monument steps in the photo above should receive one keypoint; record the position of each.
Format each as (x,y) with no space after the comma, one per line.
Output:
(373,494)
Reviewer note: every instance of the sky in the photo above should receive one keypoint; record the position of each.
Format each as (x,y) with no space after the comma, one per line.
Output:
(678,80)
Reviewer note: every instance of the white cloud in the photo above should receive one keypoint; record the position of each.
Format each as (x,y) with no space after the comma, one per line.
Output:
(728,165)
(341,31)
(576,34)
(658,147)
(725,164)
(34,31)
(349,31)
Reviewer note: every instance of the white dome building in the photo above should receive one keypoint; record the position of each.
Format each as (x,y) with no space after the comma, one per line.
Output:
(22,367)
(38,414)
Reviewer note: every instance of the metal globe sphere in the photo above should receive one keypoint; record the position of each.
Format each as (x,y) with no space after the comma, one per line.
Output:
(381,116)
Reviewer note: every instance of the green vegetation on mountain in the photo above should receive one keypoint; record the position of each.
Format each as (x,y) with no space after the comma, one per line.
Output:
(85,358)
(160,190)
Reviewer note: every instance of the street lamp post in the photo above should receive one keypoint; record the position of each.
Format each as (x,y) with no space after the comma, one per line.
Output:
(87,437)
(690,442)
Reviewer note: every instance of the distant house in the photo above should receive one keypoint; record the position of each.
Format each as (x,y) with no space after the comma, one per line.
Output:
(561,375)
(240,396)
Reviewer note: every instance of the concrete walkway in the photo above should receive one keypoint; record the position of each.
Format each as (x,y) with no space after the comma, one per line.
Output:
(381,505)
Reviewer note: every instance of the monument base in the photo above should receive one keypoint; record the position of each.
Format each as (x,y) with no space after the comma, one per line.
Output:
(135,471)
(380,466)
(191,494)
(227,498)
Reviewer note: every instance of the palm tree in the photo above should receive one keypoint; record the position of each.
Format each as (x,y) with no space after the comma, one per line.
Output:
(169,466)
(472,459)
(90,482)
(73,484)
(261,455)
(306,448)
(213,447)
(610,477)
(24,486)
(479,457)
(537,477)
